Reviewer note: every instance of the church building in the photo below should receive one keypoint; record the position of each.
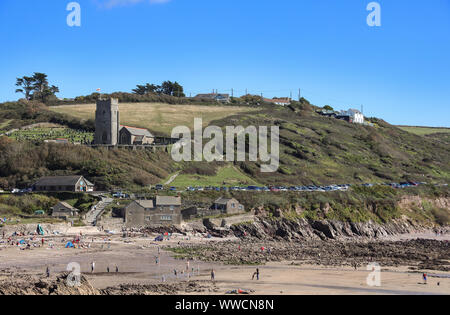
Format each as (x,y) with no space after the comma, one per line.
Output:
(108,130)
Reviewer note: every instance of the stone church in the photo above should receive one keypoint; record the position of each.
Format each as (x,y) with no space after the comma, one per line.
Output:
(108,130)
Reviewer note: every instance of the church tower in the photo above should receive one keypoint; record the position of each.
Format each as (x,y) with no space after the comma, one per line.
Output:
(107,122)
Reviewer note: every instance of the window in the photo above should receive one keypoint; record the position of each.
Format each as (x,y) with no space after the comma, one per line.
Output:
(172,208)
(233,205)
(148,218)
(166,218)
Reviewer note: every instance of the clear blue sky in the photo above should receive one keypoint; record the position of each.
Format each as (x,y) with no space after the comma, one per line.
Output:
(399,71)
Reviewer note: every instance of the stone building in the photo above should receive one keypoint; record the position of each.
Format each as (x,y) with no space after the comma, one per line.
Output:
(107,122)
(161,211)
(64,210)
(228,206)
(109,132)
(135,136)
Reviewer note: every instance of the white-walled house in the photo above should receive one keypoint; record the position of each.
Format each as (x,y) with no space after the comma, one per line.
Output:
(355,115)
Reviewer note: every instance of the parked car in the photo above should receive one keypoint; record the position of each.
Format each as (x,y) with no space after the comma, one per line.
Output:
(159,187)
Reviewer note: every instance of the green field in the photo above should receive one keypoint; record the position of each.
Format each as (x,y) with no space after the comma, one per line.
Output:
(226,176)
(157,117)
(423,131)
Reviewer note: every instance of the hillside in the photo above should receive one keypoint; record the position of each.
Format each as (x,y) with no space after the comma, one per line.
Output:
(320,150)
(157,117)
(314,149)
(423,131)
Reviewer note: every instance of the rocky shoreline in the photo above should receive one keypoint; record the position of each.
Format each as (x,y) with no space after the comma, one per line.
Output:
(416,254)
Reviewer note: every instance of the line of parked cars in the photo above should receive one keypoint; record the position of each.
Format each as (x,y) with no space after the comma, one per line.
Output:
(272,188)
(310,188)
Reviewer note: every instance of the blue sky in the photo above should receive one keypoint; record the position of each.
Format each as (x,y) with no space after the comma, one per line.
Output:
(400,71)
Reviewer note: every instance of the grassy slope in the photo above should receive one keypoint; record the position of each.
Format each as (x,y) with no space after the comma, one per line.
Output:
(159,118)
(322,150)
(423,131)
(227,175)
(314,150)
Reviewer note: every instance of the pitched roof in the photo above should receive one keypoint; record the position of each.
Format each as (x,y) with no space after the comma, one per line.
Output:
(223,201)
(60,181)
(168,201)
(66,205)
(137,131)
(213,95)
(146,204)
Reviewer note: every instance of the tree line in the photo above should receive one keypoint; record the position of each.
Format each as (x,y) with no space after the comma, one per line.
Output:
(166,88)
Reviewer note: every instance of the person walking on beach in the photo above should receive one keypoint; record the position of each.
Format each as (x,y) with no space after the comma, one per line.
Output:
(425,278)
(92,267)
(117,269)
(213,275)
(47,271)
(256,274)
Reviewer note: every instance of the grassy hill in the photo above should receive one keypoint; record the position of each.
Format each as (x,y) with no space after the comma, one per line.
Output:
(157,117)
(423,131)
(314,149)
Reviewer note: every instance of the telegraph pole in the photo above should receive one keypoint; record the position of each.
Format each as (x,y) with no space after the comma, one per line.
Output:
(299,95)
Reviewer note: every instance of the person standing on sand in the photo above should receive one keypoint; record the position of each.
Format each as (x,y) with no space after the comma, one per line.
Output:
(256,274)
(92,267)
(425,276)
(213,275)
(117,269)
(47,271)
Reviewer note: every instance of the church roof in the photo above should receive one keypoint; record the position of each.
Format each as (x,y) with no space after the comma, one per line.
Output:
(137,131)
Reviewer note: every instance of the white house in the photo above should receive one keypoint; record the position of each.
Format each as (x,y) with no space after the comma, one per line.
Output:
(355,116)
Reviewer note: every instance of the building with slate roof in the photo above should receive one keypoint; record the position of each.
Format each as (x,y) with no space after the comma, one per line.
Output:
(160,211)
(63,184)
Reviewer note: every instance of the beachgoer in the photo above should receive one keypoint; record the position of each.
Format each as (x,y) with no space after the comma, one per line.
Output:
(92,267)
(256,274)
(425,276)
(47,271)
(213,275)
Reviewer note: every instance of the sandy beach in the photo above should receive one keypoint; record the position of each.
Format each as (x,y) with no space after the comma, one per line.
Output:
(141,261)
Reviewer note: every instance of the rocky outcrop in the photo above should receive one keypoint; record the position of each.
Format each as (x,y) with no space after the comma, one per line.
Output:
(29,285)
(301,229)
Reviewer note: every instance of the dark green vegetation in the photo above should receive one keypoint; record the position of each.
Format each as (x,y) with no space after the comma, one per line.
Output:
(29,203)
(15,115)
(36,87)
(314,150)
(322,150)
(21,163)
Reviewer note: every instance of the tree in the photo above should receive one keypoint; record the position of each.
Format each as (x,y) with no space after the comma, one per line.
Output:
(26,84)
(167,88)
(140,90)
(36,87)
(328,107)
